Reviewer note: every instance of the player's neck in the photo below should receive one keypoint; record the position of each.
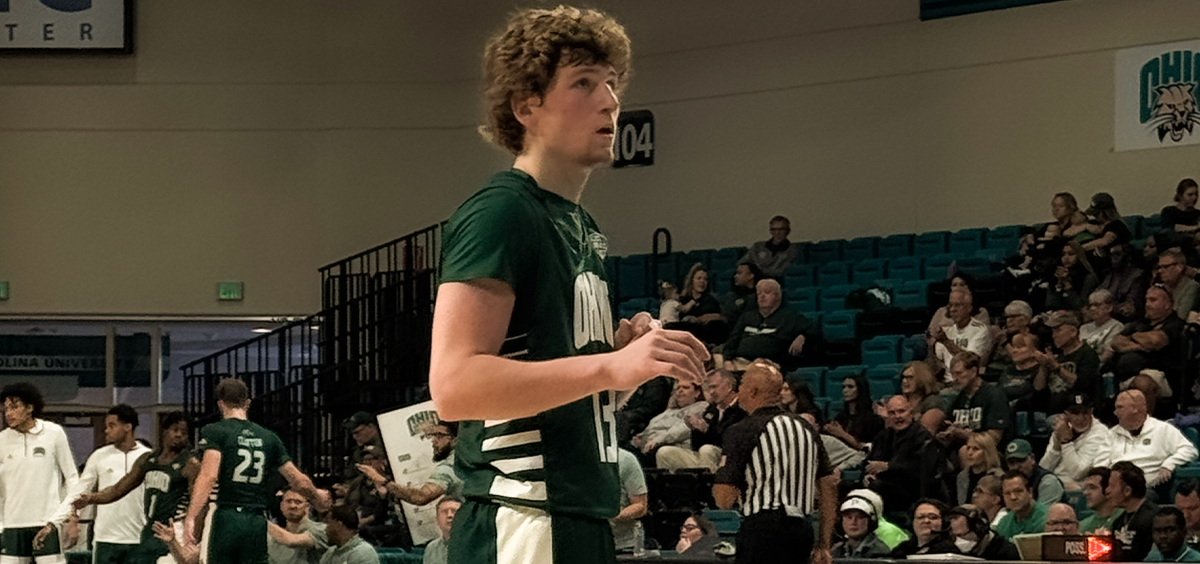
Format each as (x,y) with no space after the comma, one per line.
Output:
(126,445)
(235,414)
(27,426)
(554,174)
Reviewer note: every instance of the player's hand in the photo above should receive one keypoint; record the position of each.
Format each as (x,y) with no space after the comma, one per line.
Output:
(165,533)
(70,534)
(83,500)
(659,352)
(628,330)
(39,540)
(821,556)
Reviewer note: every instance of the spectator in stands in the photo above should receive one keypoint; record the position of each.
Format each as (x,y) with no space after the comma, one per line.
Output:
(1025,514)
(436,550)
(773,331)
(1133,529)
(668,310)
(979,406)
(708,429)
(443,435)
(650,399)
(303,540)
(1018,377)
(903,459)
(777,253)
(365,430)
(669,427)
(1070,222)
(1154,446)
(1169,532)
(697,537)
(989,496)
(930,531)
(973,535)
(979,459)
(1183,217)
(380,523)
(1018,315)
(768,475)
(1101,328)
(1061,518)
(634,501)
(858,525)
(1150,248)
(1187,499)
(1171,272)
(1079,442)
(1125,282)
(890,534)
(1048,489)
(1074,370)
(965,334)
(797,397)
(699,310)
(742,297)
(858,423)
(1151,342)
(1104,509)
(1106,224)
(923,391)
(959,281)
(1074,279)
(346,547)
(1157,391)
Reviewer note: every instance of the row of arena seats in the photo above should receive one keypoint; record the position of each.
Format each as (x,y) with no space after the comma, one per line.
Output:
(844,261)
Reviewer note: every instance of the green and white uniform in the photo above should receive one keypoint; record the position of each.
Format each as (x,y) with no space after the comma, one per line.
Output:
(165,499)
(118,525)
(542,485)
(37,480)
(249,455)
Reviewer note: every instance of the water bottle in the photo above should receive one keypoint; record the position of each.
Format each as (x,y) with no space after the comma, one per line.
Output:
(639,540)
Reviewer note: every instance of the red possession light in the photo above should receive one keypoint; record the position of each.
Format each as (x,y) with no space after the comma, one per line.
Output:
(1099,548)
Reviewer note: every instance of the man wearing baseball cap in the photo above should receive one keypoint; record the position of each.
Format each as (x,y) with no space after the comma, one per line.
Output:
(1079,442)
(859,521)
(1074,370)
(1047,487)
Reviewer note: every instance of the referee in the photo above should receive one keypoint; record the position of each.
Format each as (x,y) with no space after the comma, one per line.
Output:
(774,463)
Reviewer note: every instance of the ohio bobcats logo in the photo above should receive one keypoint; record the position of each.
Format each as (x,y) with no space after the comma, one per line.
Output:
(593,313)
(1175,110)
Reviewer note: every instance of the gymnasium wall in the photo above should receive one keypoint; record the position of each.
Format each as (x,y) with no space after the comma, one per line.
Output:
(258,141)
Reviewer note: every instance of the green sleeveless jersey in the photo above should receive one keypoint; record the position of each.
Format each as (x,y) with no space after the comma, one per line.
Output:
(166,488)
(551,253)
(249,452)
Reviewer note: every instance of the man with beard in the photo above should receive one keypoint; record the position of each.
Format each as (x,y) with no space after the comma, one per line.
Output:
(443,481)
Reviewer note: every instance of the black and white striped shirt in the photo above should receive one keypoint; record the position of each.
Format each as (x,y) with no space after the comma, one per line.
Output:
(774,458)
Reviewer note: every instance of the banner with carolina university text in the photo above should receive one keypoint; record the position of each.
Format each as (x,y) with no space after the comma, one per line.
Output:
(1156,96)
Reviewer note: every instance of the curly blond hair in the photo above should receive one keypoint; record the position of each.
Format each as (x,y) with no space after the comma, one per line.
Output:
(521,61)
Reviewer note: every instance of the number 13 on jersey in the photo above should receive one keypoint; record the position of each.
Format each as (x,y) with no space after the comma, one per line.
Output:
(605,411)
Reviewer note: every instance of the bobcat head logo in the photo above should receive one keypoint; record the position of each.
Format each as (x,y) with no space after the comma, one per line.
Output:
(1175,110)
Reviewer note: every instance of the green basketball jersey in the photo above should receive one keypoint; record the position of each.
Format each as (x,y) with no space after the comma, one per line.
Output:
(249,452)
(551,253)
(166,488)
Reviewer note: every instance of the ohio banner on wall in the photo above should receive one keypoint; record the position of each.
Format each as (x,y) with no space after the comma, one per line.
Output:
(1156,96)
(66,25)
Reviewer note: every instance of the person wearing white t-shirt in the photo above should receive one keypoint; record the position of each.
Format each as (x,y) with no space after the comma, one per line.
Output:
(965,334)
(1101,329)
(37,472)
(119,524)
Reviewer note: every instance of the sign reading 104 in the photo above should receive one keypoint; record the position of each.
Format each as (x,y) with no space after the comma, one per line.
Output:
(634,142)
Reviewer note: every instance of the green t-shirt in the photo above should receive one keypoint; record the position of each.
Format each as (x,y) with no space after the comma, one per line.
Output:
(166,488)
(550,252)
(249,453)
(1095,521)
(1009,527)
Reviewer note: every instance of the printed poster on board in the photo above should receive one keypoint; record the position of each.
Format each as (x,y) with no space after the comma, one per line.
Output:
(411,459)
(1156,96)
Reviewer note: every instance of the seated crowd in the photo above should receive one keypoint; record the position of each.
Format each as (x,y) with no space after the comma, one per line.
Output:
(1058,415)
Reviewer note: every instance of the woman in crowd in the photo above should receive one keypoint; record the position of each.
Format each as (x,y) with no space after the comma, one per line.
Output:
(989,496)
(1069,221)
(922,390)
(973,535)
(1018,314)
(798,398)
(857,423)
(1101,328)
(670,427)
(1183,217)
(699,310)
(697,537)
(1074,279)
(1017,378)
(1107,225)
(929,531)
(979,458)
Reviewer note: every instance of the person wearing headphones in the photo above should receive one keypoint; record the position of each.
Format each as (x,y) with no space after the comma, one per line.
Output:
(973,535)
(859,522)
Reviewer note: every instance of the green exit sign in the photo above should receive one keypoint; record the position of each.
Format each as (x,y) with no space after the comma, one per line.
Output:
(229,291)
(3,289)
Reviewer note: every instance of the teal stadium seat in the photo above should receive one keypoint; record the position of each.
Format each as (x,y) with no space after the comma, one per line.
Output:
(1151,225)
(896,246)
(800,276)
(835,376)
(702,256)
(824,252)
(814,376)
(866,272)
(633,274)
(839,325)
(1134,222)
(884,380)
(938,266)
(726,258)
(884,349)
(912,295)
(668,267)
(833,298)
(1005,238)
(860,248)
(966,241)
(908,345)
(721,281)
(931,243)
(833,274)
(977,266)
(906,268)
(803,299)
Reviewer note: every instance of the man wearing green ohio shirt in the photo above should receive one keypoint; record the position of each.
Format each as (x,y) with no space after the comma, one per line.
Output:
(1025,515)
(237,455)
(525,353)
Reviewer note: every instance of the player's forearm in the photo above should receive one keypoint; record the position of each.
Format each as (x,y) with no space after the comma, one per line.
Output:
(485,386)
(632,512)
(204,485)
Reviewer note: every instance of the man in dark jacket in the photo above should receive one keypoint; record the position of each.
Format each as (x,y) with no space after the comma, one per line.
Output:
(708,430)
(904,459)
